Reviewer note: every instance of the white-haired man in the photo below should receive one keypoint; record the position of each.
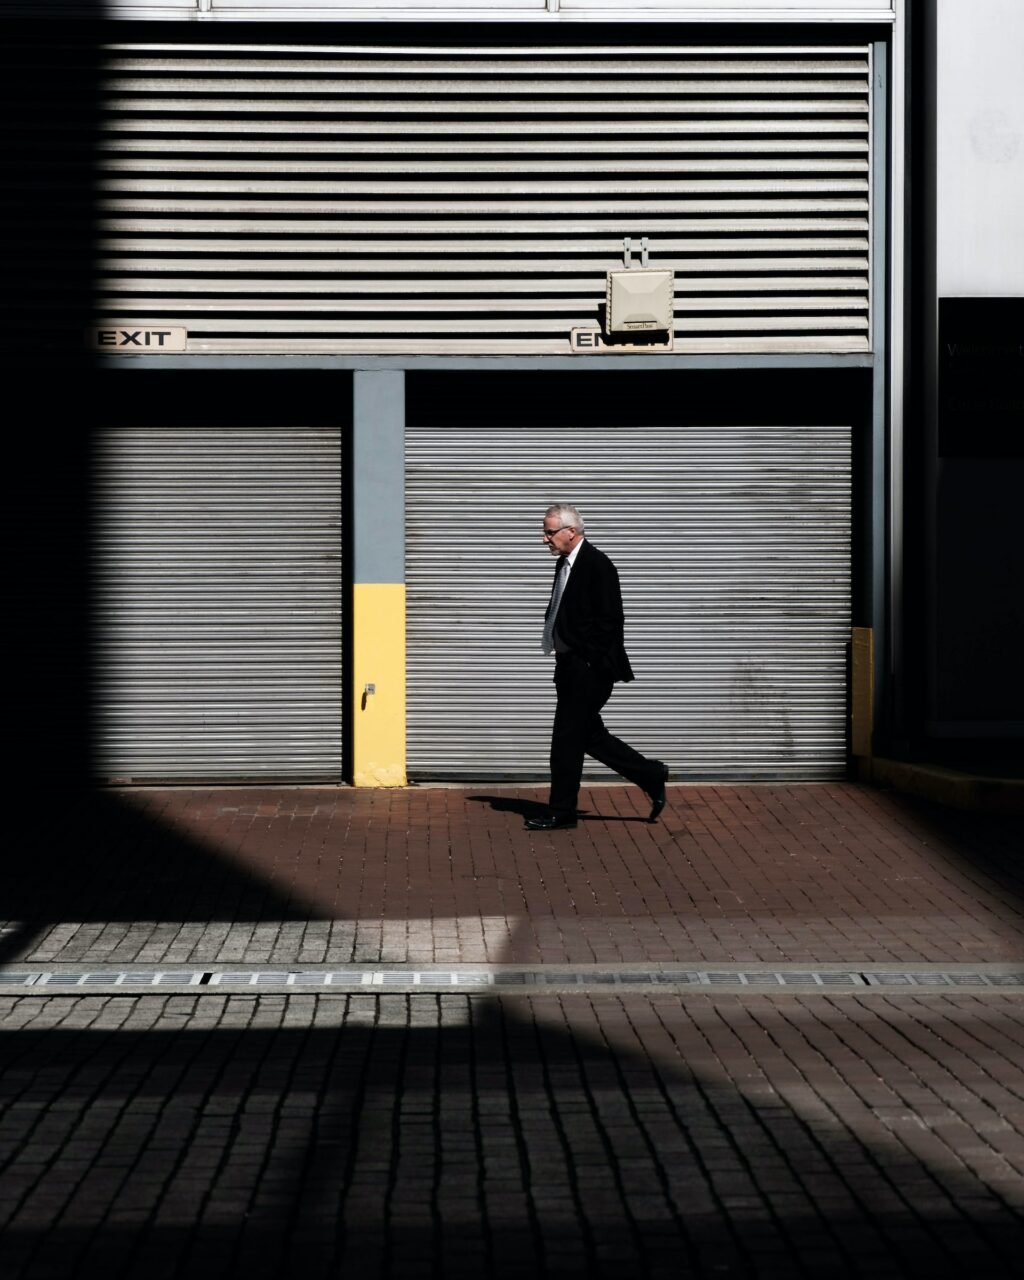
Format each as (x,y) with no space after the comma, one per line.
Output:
(583,627)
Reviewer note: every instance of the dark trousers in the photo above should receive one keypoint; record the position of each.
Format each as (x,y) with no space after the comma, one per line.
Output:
(579,731)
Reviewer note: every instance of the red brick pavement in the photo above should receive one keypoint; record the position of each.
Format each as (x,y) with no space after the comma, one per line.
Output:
(818,873)
(695,1134)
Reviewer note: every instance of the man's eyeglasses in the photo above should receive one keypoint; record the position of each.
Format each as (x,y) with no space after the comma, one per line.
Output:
(550,533)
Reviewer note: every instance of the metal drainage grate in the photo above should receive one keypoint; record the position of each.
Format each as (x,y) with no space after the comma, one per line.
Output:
(377,979)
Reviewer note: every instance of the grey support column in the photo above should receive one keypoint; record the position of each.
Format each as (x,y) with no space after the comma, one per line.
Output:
(378,604)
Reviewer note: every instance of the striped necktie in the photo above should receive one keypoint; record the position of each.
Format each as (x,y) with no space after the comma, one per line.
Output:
(561,576)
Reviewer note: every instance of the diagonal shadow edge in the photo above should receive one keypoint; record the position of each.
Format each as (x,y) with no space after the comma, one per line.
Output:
(440,1135)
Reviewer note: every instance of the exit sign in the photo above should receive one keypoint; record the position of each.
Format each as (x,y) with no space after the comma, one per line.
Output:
(127,340)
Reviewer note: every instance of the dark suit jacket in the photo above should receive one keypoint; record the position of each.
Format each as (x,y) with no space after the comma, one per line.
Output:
(590,618)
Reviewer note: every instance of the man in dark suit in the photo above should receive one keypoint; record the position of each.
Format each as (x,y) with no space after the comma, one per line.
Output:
(583,627)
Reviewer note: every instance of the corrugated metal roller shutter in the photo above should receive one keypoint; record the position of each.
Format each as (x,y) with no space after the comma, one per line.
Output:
(733,545)
(218,628)
(379,198)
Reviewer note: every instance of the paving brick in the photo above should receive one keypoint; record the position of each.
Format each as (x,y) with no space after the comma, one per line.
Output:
(742,1133)
(813,874)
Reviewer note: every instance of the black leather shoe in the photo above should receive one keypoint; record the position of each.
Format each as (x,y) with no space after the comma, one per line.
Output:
(657,794)
(551,822)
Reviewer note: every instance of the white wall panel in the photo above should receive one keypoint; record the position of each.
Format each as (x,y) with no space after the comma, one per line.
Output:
(980,148)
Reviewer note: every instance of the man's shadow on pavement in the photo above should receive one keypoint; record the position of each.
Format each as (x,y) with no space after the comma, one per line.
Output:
(534,808)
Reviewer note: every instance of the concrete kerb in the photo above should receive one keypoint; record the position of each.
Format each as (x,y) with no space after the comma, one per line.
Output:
(969,792)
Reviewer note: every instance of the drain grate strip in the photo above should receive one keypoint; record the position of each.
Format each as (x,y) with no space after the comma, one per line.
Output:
(566,978)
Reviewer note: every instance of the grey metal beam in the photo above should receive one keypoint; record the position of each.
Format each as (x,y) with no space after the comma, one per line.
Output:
(885,539)
(582,363)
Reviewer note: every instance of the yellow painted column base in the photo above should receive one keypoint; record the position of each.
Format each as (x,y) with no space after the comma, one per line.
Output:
(378,703)
(862,702)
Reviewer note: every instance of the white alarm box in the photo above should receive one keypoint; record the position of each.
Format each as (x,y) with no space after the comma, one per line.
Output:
(639,300)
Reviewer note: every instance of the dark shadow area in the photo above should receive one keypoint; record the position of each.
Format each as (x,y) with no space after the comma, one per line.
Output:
(60,396)
(534,808)
(95,856)
(980,758)
(670,397)
(102,858)
(977,845)
(520,805)
(50,91)
(456,1137)
(54,515)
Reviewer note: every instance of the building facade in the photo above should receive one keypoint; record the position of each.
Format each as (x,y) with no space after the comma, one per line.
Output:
(322,291)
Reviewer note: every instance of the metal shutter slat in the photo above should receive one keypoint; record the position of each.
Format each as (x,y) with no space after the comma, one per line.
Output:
(496,285)
(174,127)
(537,324)
(420,167)
(112,142)
(606,248)
(368,226)
(461,51)
(699,344)
(568,188)
(552,106)
(686,269)
(434,88)
(492,66)
(566,303)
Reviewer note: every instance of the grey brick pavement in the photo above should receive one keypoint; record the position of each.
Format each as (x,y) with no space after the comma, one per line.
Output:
(458,1136)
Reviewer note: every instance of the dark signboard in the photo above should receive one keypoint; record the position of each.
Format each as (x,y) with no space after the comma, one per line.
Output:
(981,377)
